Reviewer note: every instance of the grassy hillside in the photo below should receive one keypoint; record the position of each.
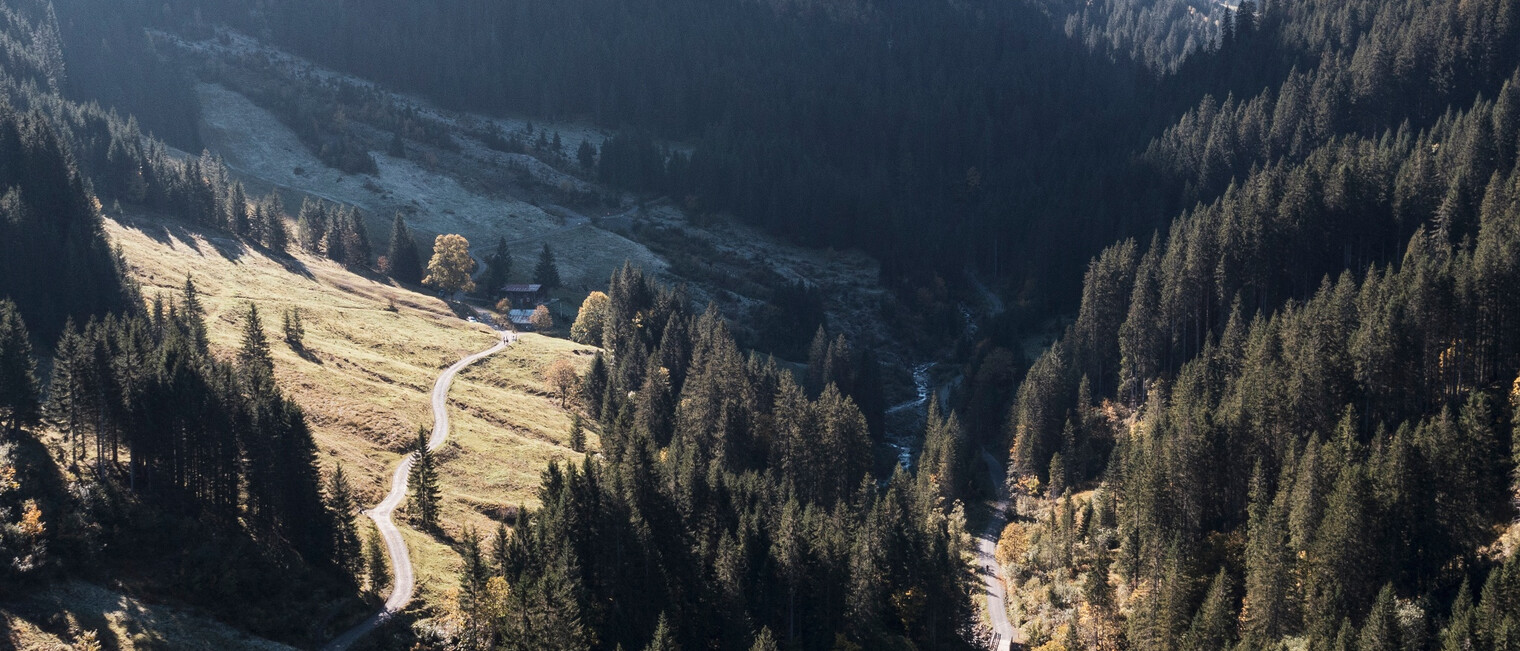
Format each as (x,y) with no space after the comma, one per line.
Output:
(372,353)
(58,617)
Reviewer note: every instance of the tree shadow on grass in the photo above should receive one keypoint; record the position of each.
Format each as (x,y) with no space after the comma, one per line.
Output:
(164,232)
(305,353)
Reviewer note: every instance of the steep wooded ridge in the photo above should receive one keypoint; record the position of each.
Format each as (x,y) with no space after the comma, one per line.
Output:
(1296,404)
(934,135)
(181,474)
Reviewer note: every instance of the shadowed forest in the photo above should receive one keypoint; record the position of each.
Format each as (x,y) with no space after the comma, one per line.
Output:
(1232,291)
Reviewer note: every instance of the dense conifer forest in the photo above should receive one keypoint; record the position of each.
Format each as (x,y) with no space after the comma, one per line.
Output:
(908,129)
(1279,243)
(198,477)
(732,503)
(1296,403)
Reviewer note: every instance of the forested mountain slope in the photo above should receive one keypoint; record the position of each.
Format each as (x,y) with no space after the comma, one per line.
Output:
(1296,403)
(1283,413)
(1158,33)
(731,505)
(931,134)
(178,472)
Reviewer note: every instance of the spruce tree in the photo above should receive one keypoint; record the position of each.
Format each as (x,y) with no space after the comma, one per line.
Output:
(374,554)
(340,501)
(675,352)
(586,155)
(194,314)
(424,482)
(355,251)
(272,232)
(764,641)
(1057,474)
(1380,631)
(1269,561)
(1496,614)
(237,211)
(254,359)
(334,240)
(1073,638)
(402,260)
(19,402)
(295,332)
(498,270)
(664,638)
(1339,568)
(577,433)
(1214,625)
(1461,629)
(654,406)
(311,224)
(546,273)
(1345,640)
(473,574)
(66,393)
(1096,589)
(594,385)
(501,550)
(942,463)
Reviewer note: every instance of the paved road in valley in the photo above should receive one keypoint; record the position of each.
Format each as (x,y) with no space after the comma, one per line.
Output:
(1004,634)
(403,582)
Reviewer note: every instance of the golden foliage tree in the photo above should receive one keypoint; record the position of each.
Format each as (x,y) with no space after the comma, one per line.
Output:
(591,320)
(541,319)
(450,268)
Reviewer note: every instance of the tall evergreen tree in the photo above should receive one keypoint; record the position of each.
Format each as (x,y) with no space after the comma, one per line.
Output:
(375,563)
(254,358)
(423,480)
(67,393)
(586,155)
(473,597)
(194,314)
(594,385)
(1214,625)
(340,501)
(546,272)
(577,433)
(764,641)
(19,401)
(498,270)
(1380,631)
(295,332)
(402,260)
(664,639)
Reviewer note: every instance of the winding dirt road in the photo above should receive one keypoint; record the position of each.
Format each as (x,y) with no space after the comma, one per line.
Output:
(403,582)
(1004,634)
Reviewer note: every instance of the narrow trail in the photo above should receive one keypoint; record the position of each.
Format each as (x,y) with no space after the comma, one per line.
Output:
(403,582)
(1005,636)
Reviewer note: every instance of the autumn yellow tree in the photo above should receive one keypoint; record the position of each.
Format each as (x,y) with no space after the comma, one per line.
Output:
(589,322)
(450,268)
(541,319)
(563,378)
